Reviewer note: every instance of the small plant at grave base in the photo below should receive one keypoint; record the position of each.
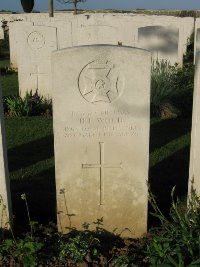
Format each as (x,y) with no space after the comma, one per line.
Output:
(185,84)
(81,247)
(176,242)
(7,70)
(163,77)
(121,261)
(30,105)
(20,252)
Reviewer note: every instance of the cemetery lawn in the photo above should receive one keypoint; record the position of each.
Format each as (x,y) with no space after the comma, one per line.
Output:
(10,81)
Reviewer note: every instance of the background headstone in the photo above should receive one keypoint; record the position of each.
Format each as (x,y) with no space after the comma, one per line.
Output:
(14,40)
(161,41)
(5,198)
(97,28)
(197,37)
(1,32)
(34,58)
(64,30)
(195,135)
(101,97)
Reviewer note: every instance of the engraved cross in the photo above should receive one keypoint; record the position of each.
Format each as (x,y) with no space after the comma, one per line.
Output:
(38,73)
(101,166)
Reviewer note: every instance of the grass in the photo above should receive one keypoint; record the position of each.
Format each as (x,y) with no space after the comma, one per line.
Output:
(9,82)
(31,160)
(31,166)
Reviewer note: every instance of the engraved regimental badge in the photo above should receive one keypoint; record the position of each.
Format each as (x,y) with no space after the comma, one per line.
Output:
(36,40)
(99,81)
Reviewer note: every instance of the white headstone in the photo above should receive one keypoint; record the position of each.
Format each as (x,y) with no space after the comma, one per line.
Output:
(161,41)
(194,173)
(101,97)
(64,30)
(197,37)
(34,58)
(5,198)
(1,32)
(165,36)
(14,40)
(97,28)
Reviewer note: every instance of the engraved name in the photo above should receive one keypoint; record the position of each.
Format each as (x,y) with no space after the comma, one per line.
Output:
(101,124)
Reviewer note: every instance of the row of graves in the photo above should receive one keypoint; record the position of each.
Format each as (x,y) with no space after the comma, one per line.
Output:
(93,67)
(34,38)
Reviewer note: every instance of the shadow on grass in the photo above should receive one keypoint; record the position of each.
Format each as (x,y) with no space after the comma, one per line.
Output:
(30,153)
(41,197)
(172,167)
(165,131)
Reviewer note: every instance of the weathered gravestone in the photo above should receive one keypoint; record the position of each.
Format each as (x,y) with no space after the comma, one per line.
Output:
(64,28)
(90,29)
(101,97)
(197,38)
(197,50)
(5,201)
(34,58)
(15,40)
(63,35)
(1,32)
(165,36)
(161,41)
(194,173)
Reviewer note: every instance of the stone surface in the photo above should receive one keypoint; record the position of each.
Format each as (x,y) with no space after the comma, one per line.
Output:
(5,198)
(194,172)
(90,29)
(15,41)
(101,97)
(197,37)
(34,58)
(1,32)
(165,36)
(63,33)
(161,41)
(64,30)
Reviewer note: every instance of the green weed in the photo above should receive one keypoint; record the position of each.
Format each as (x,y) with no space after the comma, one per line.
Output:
(177,241)
(171,88)
(30,105)
(79,248)
(22,251)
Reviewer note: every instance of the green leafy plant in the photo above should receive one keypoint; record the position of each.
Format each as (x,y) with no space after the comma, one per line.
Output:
(163,76)
(177,241)
(21,251)
(188,57)
(79,247)
(30,105)
(18,251)
(184,84)
(121,261)
(171,89)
